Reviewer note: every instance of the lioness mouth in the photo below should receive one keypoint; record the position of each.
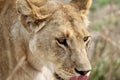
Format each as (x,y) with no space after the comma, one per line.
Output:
(81,77)
(58,77)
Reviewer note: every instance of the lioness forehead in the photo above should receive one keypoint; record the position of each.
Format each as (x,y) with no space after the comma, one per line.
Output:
(66,15)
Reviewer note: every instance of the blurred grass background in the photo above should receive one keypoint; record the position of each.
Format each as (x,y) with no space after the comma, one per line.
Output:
(105,48)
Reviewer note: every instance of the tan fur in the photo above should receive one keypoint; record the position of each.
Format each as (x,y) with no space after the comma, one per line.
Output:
(38,52)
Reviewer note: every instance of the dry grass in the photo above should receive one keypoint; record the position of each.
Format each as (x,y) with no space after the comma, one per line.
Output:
(105,51)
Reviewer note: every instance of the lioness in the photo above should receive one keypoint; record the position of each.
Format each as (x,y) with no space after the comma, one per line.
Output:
(51,40)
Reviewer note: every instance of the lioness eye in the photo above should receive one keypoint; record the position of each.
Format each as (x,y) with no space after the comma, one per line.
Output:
(62,42)
(86,38)
(37,22)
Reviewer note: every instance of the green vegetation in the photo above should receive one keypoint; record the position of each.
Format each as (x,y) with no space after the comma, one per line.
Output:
(102,3)
(117,2)
(104,67)
(106,54)
(99,3)
(97,26)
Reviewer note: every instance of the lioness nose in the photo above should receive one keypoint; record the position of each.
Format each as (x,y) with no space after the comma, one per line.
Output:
(81,72)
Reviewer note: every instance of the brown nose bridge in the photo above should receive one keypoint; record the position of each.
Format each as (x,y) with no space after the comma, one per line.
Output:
(82,62)
(79,56)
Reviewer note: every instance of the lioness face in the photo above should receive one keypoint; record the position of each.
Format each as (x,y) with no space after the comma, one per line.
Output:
(58,36)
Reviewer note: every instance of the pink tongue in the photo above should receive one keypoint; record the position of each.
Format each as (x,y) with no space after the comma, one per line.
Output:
(79,78)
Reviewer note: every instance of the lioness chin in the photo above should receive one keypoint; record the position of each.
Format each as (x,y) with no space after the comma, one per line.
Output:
(55,40)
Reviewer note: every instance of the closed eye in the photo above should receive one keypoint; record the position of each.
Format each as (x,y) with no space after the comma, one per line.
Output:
(62,41)
(86,38)
(36,22)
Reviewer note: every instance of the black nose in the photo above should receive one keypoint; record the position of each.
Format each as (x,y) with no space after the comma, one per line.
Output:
(81,72)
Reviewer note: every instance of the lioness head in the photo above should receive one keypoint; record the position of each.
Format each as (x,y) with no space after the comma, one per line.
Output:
(57,35)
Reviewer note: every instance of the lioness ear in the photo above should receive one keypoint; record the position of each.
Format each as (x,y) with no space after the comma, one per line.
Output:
(82,5)
(27,7)
(23,7)
(30,12)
